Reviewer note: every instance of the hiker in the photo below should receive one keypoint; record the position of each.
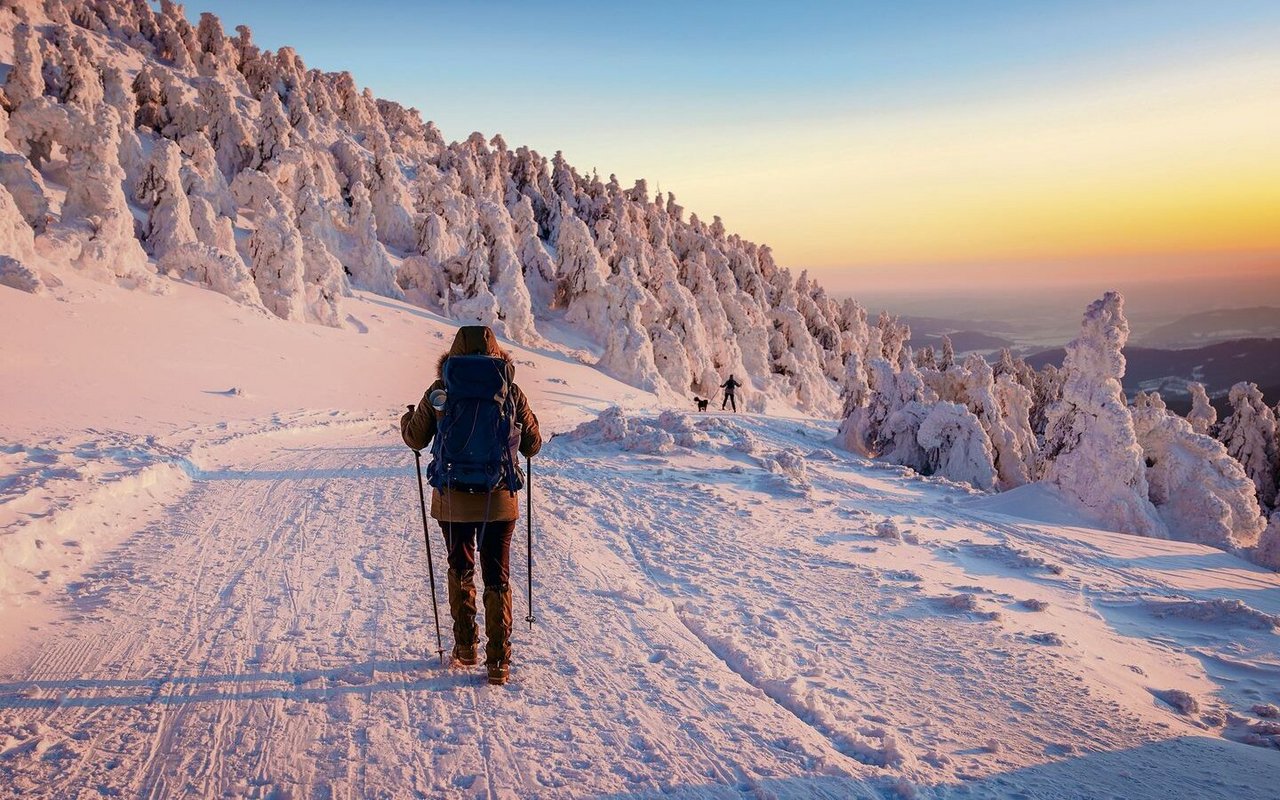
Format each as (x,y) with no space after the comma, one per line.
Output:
(469,517)
(728,387)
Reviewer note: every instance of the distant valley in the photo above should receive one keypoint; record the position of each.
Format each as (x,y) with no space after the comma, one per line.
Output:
(1218,366)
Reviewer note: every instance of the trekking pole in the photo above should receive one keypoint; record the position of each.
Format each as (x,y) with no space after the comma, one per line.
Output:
(528,500)
(431,569)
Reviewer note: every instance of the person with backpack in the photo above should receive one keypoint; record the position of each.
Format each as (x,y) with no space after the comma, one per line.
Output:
(729,386)
(478,422)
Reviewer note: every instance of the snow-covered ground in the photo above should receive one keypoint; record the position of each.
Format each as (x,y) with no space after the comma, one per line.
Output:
(213,583)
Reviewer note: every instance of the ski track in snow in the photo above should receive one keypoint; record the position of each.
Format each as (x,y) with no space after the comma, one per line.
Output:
(706,627)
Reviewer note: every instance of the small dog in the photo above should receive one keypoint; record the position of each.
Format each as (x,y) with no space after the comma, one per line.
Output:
(702,404)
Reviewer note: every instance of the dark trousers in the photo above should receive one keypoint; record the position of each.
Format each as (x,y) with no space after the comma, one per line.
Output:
(495,549)
(729,401)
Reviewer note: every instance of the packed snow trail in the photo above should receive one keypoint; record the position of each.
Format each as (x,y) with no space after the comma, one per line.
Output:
(272,635)
(725,607)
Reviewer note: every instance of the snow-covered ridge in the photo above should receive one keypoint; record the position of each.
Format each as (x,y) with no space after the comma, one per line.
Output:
(136,143)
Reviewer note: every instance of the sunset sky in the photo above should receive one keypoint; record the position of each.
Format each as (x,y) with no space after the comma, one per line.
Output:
(877,144)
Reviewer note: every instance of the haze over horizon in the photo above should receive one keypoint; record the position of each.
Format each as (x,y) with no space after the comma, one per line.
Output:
(888,149)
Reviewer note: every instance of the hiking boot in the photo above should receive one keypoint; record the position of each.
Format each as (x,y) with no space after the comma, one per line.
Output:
(497,630)
(462,607)
(465,655)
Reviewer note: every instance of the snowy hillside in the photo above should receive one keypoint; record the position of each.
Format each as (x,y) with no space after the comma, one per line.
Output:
(285,188)
(213,592)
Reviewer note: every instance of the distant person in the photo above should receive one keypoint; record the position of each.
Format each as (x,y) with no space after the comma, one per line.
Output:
(473,495)
(729,386)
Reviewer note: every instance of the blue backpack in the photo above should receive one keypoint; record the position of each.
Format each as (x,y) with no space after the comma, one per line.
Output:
(476,448)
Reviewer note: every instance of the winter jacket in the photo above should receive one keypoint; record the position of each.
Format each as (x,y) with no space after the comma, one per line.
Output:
(419,426)
(730,385)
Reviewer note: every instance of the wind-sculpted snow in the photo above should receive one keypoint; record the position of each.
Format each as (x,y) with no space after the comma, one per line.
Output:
(1215,612)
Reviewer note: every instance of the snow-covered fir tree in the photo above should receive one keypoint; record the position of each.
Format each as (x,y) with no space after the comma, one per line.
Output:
(1250,435)
(1091,452)
(1267,552)
(1201,492)
(1202,416)
(956,445)
(160,190)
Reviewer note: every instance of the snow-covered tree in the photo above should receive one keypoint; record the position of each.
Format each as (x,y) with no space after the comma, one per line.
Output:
(898,437)
(1013,444)
(323,282)
(17,239)
(364,256)
(25,80)
(628,353)
(948,356)
(117,94)
(796,355)
(1201,492)
(392,203)
(956,445)
(27,188)
(866,429)
(95,205)
(275,246)
(211,228)
(82,83)
(1046,391)
(215,54)
(1203,416)
(275,134)
(160,190)
(228,130)
(583,276)
(515,309)
(36,125)
(471,299)
(1091,452)
(1016,402)
(1267,552)
(1250,434)
(539,271)
(201,176)
(926,359)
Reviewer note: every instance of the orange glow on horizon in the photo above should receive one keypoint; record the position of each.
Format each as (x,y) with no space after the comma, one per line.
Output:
(1185,161)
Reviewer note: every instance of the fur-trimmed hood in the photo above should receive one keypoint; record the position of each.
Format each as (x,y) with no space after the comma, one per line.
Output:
(472,340)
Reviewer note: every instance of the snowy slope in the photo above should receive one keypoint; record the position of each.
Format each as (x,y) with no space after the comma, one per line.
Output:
(217,594)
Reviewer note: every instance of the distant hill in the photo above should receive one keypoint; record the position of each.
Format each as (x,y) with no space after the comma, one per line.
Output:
(1218,366)
(962,341)
(936,326)
(1208,327)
